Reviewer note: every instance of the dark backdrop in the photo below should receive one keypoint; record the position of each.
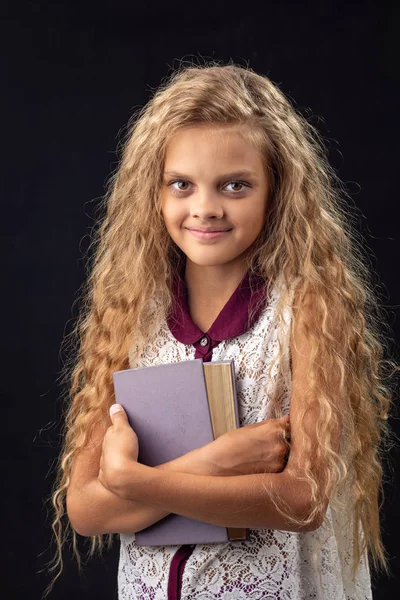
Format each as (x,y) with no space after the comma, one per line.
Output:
(74,73)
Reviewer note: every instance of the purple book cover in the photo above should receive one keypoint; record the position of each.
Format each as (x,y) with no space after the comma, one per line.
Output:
(167,406)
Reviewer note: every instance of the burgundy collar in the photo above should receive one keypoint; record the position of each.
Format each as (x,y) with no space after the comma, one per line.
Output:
(248,300)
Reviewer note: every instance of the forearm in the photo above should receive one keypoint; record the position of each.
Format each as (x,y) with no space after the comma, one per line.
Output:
(97,510)
(239,501)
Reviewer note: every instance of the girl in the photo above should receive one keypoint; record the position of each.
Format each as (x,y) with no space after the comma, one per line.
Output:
(224,237)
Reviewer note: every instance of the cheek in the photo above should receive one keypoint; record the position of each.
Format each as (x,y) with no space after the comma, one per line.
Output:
(259,222)
(170,208)
(252,224)
(173,218)
(259,216)
(166,211)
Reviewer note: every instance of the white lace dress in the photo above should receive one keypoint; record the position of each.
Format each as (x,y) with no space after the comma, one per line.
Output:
(272,564)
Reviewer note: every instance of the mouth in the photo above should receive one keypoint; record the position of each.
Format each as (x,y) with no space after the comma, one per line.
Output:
(208,234)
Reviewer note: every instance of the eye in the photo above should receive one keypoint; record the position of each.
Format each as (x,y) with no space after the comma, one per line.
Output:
(175,190)
(178,191)
(244,186)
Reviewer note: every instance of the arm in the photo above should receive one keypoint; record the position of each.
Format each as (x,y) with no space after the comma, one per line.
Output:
(94,510)
(245,500)
(239,501)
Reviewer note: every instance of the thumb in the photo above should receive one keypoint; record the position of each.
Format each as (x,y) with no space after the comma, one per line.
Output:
(118,415)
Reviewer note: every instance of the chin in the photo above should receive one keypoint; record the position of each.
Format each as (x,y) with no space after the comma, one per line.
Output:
(203,261)
(207,263)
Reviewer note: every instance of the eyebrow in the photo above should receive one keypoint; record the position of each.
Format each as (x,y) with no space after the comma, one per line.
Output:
(233,175)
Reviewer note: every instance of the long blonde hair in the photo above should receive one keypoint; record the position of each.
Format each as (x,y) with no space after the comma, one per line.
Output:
(308,238)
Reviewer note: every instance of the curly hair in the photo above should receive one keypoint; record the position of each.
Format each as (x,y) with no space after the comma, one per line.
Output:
(308,238)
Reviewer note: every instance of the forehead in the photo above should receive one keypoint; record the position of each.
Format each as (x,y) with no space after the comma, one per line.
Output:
(216,146)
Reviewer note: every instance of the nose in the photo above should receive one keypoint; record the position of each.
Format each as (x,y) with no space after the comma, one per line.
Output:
(206,206)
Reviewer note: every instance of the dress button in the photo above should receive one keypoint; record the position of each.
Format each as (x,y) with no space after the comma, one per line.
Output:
(204,341)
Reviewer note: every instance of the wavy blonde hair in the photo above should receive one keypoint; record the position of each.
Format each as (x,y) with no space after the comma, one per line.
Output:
(307,239)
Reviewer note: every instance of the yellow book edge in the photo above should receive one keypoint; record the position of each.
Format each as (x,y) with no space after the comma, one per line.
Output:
(219,384)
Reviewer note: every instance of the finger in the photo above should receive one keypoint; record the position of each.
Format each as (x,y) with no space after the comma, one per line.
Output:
(118,416)
(286,425)
(283,422)
(285,430)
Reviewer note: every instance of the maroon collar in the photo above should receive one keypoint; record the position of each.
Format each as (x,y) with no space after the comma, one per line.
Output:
(248,300)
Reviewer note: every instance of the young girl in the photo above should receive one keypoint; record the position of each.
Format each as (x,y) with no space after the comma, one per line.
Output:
(225,238)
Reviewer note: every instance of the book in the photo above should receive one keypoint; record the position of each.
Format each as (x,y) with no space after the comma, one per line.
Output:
(175,408)
(223,407)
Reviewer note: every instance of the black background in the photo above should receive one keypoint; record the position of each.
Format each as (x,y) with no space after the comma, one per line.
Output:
(74,73)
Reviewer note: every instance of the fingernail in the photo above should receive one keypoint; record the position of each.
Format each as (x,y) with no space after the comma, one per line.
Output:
(115,408)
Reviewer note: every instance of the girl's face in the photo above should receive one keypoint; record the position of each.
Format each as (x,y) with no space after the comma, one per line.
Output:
(214,194)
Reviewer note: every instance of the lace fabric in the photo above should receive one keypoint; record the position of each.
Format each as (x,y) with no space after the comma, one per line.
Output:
(272,564)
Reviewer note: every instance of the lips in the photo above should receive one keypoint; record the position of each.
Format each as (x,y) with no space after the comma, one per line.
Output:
(207,229)
(208,234)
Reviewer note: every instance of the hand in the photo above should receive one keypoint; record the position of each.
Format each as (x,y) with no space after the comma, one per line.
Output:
(120,450)
(257,448)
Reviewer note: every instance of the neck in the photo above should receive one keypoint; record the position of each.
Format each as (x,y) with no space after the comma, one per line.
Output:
(209,289)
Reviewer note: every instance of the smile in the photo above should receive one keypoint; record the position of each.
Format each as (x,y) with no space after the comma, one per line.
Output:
(208,235)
